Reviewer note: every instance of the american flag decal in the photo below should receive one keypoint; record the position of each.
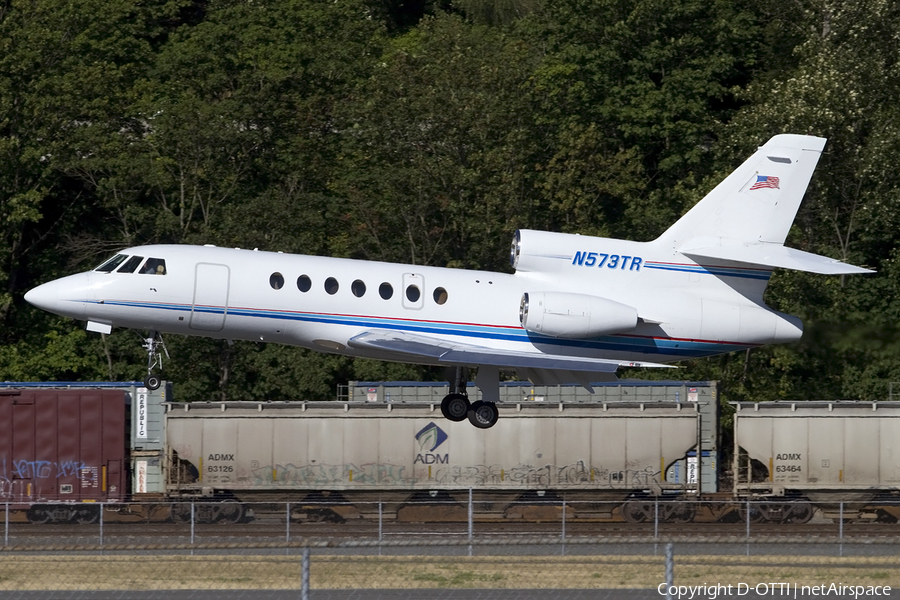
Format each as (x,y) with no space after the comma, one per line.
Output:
(765,181)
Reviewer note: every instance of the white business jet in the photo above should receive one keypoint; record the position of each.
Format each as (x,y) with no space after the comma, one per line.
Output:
(576,309)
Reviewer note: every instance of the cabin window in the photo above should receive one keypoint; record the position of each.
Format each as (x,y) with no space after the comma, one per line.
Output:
(412,293)
(112,263)
(331,285)
(131,264)
(440,295)
(276,280)
(304,283)
(154,266)
(385,290)
(358,288)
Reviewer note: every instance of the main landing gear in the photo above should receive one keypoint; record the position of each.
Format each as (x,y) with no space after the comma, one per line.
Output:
(152,344)
(483,414)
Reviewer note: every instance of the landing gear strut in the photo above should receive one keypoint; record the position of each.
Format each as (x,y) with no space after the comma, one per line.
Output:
(152,344)
(482,414)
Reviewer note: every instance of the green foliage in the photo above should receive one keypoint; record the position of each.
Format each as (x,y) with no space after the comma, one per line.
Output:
(403,132)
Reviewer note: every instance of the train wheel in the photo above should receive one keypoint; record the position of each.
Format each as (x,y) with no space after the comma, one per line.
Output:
(39,515)
(799,512)
(682,512)
(180,512)
(455,407)
(635,511)
(230,511)
(483,415)
(86,516)
(758,512)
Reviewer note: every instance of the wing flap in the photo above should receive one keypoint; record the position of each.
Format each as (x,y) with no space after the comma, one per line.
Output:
(418,347)
(773,255)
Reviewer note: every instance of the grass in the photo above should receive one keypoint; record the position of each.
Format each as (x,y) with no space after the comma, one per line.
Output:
(130,572)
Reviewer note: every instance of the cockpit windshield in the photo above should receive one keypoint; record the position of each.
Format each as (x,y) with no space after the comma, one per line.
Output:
(153,266)
(131,264)
(112,263)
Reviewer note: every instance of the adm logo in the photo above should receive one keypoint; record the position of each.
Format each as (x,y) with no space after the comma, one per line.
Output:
(430,438)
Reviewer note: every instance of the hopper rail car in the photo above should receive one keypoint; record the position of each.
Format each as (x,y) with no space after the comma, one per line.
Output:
(632,452)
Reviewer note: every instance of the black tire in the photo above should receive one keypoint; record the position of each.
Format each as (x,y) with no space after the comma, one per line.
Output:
(483,415)
(152,382)
(455,407)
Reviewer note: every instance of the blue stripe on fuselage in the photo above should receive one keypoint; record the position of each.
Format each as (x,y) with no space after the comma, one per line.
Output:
(620,342)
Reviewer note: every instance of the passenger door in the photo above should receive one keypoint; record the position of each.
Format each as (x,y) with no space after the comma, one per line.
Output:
(210,297)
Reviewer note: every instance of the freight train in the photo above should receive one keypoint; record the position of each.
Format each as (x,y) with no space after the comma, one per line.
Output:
(67,448)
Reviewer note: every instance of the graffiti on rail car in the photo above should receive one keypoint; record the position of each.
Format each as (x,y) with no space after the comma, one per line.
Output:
(577,474)
(322,475)
(42,469)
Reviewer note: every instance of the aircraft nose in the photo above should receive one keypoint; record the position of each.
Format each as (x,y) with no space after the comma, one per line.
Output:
(45,296)
(61,296)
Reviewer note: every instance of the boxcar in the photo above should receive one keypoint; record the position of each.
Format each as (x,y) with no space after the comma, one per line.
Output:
(62,450)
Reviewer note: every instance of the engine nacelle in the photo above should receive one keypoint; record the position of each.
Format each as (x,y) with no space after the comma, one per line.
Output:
(576,316)
(545,251)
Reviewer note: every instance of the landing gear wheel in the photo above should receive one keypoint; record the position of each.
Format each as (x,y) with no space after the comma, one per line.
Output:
(455,407)
(483,415)
(152,344)
(152,382)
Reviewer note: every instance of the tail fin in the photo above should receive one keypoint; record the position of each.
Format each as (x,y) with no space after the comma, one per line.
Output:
(746,218)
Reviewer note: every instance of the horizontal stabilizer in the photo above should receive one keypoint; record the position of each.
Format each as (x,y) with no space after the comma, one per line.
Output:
(418,347)
(776,255)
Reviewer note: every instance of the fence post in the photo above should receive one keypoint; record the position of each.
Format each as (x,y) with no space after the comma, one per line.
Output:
(748,525)
(656,518)
(670,569)
(101,524)
(287,528)
(841,531)
(380,526)
(304,575)
(192,527)
(656,526)
(470,521)
(6,526)
(564,527)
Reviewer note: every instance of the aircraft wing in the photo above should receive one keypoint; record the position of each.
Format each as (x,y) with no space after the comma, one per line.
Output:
(774,255)
(542,366)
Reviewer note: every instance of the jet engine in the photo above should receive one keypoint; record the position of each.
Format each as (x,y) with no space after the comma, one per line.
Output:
(575,316)
(544,251)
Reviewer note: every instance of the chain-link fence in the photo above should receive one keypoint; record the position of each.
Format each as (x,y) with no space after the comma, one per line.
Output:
(424,547)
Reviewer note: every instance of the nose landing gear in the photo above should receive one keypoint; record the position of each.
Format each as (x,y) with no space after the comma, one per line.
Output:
(152,344)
